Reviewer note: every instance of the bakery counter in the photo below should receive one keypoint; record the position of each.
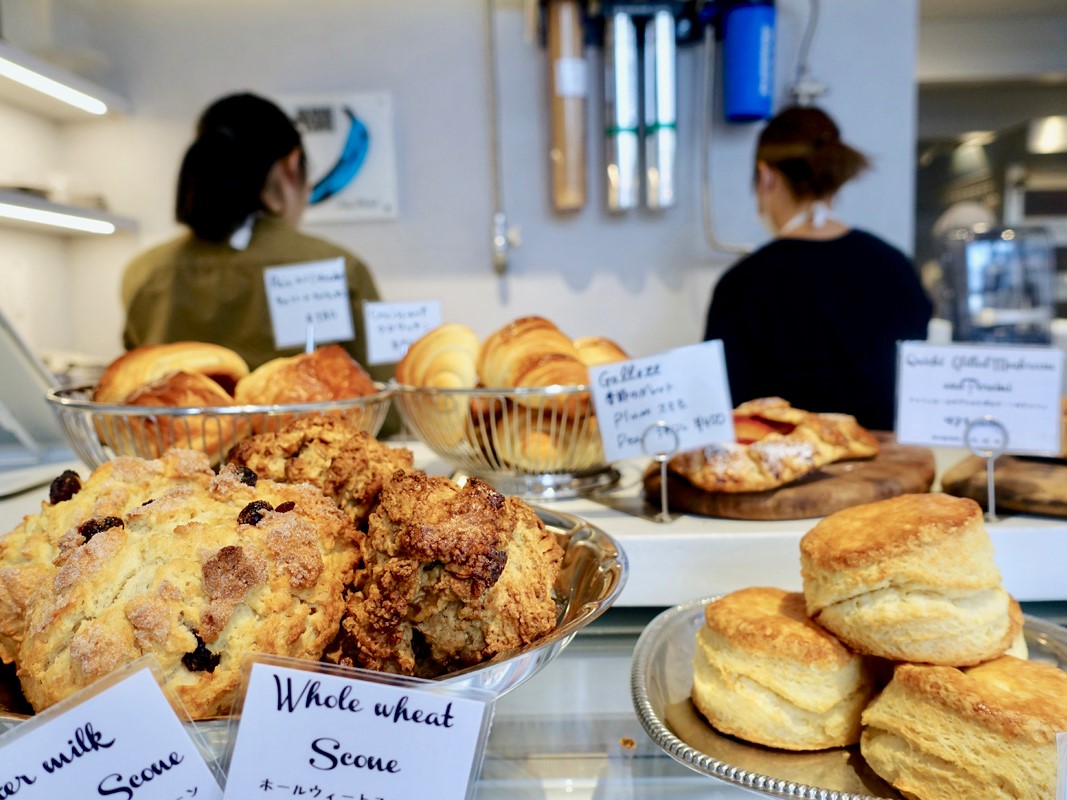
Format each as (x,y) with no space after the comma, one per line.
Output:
(694,556)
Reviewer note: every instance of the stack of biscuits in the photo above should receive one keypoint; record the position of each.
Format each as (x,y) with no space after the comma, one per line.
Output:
(903,640)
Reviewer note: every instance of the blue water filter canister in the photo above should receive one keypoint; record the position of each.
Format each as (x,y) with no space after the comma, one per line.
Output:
(748,61)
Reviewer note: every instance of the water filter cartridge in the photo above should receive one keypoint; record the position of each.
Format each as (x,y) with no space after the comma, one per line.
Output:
(748,61)
(621,111)
(660,100)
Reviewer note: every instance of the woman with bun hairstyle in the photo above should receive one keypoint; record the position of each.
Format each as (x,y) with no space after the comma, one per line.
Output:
(242,190)
(814,316)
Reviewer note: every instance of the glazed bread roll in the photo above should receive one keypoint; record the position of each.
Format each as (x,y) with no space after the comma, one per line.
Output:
(596,350)
(911,578)
(213,434)
(941,733)
(329,373)
(147,364)
(531,351)
(764,672)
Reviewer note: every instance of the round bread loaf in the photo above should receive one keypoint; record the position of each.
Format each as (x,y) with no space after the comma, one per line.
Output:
(198,577)
(911,578)
(764,672)
(328,373)
(147,364)
(941,733)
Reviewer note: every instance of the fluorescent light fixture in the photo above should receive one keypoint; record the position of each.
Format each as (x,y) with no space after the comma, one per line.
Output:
(1047,135)
(55,218)
(52,88)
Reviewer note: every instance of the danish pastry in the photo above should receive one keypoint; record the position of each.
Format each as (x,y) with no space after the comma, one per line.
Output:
(328,373)
(145,365)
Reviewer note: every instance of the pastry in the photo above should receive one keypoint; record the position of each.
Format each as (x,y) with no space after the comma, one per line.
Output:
(454,576)
(594,351)
(198,577)
(911,578)
(533,441)
(349,465)
(112,490)
(329,373)
(764,672)
(214,433)
(941,733)
(147,364)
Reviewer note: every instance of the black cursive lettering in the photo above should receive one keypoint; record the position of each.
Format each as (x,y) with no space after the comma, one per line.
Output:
(85,740)
(11,788)
(323,747)
(401,712)
(115,784)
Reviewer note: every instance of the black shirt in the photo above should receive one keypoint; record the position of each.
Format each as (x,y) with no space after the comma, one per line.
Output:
(817,322)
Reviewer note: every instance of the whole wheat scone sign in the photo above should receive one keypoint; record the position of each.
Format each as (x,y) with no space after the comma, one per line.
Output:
(335,733)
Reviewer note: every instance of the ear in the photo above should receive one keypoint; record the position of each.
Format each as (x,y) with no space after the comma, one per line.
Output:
(291,165)
(765,177)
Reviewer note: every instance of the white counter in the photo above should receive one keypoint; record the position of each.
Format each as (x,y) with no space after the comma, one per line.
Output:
(692,556)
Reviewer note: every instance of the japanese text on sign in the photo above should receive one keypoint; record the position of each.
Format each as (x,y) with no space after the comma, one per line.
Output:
(392,327)
(942,389)
(312,295)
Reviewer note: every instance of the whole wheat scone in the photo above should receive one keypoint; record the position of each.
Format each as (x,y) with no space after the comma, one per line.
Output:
(112,490)
(453,576)
(347,464)
(199,576)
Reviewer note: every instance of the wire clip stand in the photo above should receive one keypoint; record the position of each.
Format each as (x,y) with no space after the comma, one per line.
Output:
(661,456)
(987,438)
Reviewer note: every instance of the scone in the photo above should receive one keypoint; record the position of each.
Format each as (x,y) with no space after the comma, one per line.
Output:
(113,490)
(941,733)
(454,576)
(349,465)
(198,577)
(764,672)
(911,578)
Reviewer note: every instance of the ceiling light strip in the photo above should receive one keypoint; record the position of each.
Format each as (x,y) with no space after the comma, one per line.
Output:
(56,219)
(53,88)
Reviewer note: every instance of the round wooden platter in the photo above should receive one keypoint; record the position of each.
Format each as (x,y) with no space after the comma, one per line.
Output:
(897,469)
(1024,484)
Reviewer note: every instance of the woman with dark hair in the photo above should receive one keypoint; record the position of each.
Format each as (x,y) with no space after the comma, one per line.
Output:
(242,190)
(814,316)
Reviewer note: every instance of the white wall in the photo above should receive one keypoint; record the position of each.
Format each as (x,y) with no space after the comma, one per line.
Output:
(643,279)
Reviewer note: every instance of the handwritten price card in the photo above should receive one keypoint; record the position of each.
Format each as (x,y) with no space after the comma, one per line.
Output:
(312,294)
(943,389)
(122,742)
(685,388)
(334,735)
(392,327)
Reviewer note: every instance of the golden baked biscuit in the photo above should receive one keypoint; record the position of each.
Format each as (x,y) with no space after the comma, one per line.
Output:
(764,672)
(941,733)
(198,577)
(454,576)
(112,490)
(349,465)
(911,578)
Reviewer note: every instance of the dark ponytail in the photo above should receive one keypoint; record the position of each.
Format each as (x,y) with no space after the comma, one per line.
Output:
(239,138)
(804,144)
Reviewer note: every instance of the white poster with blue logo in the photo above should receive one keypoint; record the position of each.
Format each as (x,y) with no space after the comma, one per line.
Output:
(351,154)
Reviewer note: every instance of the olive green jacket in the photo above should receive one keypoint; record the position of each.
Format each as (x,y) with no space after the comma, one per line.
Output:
(189,289)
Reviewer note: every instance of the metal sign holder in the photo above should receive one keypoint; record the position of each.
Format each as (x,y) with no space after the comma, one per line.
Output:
(987,438)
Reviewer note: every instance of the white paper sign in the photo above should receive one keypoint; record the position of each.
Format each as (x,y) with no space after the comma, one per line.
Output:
(685,388)
(314,293)
(124,742)
(392,327)
(941,389)
(303,731)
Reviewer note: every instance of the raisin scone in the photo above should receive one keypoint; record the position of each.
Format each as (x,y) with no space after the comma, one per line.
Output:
(349,465)
(453,577)
(110,492)
(199,577)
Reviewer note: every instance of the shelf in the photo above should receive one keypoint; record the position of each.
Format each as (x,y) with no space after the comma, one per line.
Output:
(32,202)
(16,93)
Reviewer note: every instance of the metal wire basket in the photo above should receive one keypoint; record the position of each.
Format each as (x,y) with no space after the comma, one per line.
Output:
(97,432)
(535,442)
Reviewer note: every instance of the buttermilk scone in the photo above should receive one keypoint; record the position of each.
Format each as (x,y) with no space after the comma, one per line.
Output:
(453,576)
(910,579)
(942,733)
(764,672)
(112,491)
(348,465)
(197,576)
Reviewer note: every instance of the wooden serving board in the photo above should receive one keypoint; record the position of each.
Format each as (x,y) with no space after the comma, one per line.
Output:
(897,469)
(1027,485)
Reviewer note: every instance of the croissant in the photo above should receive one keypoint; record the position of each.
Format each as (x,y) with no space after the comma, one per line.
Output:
(531,351)
(213,434)
(596,350)
(148,363)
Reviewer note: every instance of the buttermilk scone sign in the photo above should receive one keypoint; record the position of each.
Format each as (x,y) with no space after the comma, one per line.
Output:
(318,734)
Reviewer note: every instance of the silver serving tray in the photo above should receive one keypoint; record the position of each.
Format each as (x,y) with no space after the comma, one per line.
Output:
(591,577)
(662,677)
